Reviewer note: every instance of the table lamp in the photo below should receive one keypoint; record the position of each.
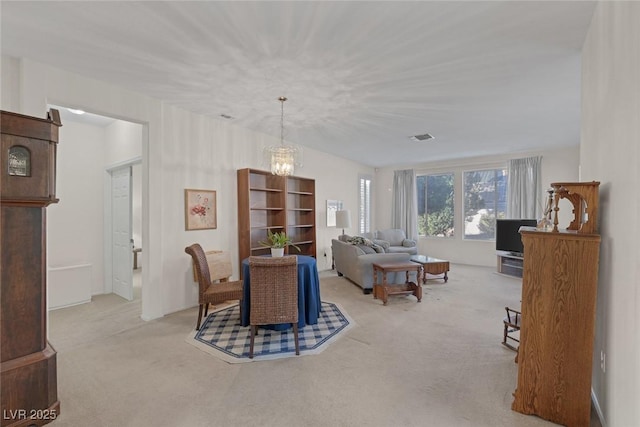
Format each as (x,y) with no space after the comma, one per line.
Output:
(343,219)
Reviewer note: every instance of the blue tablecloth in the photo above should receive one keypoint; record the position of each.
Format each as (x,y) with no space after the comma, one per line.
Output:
(309,303)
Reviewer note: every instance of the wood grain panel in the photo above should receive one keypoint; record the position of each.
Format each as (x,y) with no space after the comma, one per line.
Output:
(22,319)
(558,318)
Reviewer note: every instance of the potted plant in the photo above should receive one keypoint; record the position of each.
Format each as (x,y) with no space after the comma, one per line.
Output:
(277,242)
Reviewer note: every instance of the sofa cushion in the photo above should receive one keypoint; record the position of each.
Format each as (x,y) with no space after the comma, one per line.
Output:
(366,245)
(394,236)
(408,243)
(344,238)
(367,249)
(379,249)
(402,249)
(382,243)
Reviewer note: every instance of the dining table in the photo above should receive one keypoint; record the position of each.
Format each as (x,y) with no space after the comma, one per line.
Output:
(309,303)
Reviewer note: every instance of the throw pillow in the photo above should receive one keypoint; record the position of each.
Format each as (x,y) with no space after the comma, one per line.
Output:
(385,245)
(377,248)
(359,240)
(366,245)
(366,249)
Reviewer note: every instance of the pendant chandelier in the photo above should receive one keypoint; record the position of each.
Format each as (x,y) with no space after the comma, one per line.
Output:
(283,158)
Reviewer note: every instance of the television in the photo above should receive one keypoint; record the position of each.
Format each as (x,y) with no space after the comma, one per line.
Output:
(507,236)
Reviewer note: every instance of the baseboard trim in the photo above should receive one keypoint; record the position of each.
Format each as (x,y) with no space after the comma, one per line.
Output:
(596,406)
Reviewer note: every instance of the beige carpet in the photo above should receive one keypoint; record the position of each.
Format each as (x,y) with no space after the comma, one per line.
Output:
(434,363)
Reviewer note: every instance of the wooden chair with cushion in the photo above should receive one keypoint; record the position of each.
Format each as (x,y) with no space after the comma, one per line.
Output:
(212,271)
(511,324)
(274,294)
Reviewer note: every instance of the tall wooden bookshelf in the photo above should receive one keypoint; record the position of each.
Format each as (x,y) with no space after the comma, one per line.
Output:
(301,214)
(273,203)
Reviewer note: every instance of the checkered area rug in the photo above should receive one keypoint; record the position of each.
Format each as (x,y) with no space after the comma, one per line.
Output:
(222,336)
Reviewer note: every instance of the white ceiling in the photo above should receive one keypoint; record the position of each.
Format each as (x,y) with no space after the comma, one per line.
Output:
(66,115)
(361,77)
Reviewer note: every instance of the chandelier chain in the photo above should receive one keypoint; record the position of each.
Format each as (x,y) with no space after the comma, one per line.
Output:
(282,99)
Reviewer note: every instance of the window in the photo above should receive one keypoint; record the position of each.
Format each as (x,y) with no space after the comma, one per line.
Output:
(435,205)
(485,200)
(364,210)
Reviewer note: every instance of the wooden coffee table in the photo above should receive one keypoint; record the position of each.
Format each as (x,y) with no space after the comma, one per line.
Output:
(384,289)
(431,265)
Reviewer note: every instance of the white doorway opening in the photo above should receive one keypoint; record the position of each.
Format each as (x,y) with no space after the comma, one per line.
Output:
(79,226)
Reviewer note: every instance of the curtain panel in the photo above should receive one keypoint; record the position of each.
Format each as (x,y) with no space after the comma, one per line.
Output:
(404,203)
(525,189)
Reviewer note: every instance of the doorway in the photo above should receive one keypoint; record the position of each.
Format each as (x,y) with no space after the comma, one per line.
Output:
(79,227)
(118,221)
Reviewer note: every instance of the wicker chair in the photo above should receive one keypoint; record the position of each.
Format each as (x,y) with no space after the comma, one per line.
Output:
(511,325)
(212,271)
(274,294)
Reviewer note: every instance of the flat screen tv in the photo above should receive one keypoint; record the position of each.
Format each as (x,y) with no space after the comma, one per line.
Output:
(507,236)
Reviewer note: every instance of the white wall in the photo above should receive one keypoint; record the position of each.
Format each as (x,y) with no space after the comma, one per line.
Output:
(180,150)
(74,225)
(37,85)
(216,150)
(557,166)
(609,154)
(9,72)
(123,142)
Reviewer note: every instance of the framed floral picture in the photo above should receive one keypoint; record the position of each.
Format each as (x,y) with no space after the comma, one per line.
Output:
(200,209)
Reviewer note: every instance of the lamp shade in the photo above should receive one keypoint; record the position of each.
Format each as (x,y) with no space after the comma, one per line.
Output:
(343,219)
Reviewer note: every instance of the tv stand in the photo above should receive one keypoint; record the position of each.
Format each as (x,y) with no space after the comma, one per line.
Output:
(510,264)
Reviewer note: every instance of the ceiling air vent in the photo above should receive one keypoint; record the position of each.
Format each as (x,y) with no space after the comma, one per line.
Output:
(423,137)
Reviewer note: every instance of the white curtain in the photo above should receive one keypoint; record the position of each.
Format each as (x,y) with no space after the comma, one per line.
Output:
(404,204)
(525,189)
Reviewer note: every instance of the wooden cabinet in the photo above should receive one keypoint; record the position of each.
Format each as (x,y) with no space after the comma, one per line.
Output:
(28,361)
(558,319)
(276,203)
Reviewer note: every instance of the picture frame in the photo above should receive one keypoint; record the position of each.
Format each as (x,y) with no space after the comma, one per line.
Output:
(200,209)
(332,207)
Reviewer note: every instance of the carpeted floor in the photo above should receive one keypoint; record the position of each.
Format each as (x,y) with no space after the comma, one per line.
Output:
(222,336)
(435,363)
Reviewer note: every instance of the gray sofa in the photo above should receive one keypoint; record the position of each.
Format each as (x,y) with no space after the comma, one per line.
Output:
(352,262)
(394,240)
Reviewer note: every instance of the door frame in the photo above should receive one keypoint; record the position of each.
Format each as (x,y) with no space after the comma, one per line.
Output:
(108,242)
